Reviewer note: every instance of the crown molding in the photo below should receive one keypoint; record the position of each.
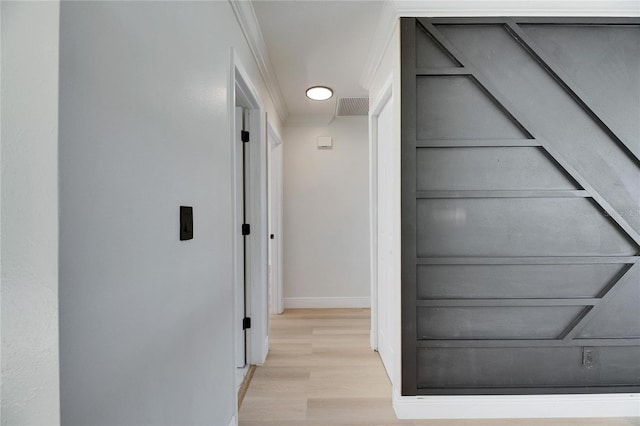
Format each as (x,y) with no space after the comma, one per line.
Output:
(379,42)
(246,16)
(455,8)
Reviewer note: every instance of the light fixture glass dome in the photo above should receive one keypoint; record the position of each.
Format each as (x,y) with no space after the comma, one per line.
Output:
(319,93)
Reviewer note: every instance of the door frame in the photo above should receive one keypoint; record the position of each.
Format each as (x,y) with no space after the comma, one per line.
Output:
(275,219)
(240,86)
(239,310)
(377,105)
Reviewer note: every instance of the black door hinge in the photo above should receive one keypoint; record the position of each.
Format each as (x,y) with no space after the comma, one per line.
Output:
(246,323)
(244,135)
(246,229)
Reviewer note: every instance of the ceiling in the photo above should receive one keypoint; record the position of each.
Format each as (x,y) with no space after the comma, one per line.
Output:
(317,43)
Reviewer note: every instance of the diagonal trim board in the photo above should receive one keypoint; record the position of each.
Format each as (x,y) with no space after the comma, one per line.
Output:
(518,118)
(565,82)
(429,53)
(476,97)
(578,326)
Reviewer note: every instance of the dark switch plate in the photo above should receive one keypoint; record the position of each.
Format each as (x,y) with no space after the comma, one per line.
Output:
(186,223)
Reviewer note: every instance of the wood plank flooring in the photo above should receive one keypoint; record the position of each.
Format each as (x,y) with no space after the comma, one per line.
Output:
(321,371)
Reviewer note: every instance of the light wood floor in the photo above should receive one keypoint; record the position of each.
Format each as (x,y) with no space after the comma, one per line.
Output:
(321,371)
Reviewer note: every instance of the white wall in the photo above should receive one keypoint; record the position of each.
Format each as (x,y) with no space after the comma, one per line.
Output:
(30,379)
(145,319)
(326,217)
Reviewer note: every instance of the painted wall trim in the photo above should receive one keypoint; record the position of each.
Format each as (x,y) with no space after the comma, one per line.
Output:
(326,302)
(233,421)
(246,16)
(516,406)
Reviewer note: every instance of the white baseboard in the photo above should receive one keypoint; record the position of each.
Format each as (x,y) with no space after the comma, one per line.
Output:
(516,406)
(234,421)
(326,302)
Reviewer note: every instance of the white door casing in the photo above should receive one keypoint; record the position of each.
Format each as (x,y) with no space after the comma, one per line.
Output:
(385,246)
(243,93)
(384,214)
(239,246)
(276,296)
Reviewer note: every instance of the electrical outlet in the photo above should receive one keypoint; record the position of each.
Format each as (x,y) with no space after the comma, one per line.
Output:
(588,357)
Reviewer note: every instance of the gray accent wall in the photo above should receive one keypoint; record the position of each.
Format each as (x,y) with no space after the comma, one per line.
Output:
(520,205)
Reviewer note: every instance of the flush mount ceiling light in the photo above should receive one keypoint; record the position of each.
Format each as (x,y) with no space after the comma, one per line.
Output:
(319,93)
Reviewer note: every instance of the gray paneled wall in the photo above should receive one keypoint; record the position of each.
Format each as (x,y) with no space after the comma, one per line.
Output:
(520,205)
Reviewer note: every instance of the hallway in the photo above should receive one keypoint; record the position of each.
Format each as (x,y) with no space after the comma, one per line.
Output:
(321,371)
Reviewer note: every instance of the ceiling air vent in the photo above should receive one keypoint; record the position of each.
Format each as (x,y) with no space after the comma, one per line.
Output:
(352,106)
